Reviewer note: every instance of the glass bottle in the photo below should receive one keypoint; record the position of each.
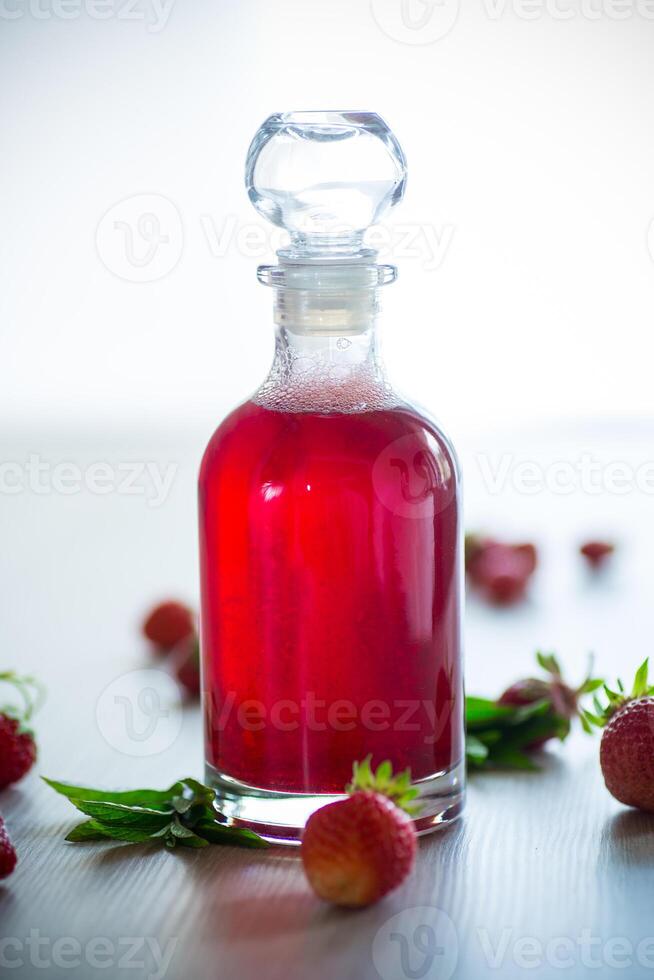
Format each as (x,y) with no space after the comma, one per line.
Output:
(330,519)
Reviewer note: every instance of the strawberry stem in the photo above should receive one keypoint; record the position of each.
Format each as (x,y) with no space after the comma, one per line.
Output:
(617,699)
(31,691)
(396,788)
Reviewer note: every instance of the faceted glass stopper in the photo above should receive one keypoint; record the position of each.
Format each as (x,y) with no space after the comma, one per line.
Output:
(325,177)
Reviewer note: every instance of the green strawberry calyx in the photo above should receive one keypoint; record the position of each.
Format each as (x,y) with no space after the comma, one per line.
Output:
(397,788)
(564,699)
(31,693)
(617,699)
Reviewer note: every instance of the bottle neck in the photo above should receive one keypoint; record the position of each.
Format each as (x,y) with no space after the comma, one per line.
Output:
(326,356)
(339,354)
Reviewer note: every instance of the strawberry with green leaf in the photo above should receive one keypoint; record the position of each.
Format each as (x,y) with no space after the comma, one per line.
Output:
(527,715)
(17,744)
(356,850)
(627,746)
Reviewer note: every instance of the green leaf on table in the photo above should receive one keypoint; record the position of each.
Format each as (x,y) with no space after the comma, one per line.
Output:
(155,799)
(118,815)
(510,758)
(476,751)
(88,830)
(219,833)
(184,814)
(93,830)
(480,712)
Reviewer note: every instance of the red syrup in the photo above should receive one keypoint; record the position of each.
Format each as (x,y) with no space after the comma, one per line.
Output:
(330,596)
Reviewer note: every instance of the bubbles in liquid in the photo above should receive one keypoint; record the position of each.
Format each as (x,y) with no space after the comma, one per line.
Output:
(315,384)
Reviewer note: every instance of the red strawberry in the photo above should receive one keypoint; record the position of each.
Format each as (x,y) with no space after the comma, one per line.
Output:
(501,571)
(168,624)
(8,857)
(357,850)
(17,750)
(17,745)
(563,700)
(186,664)
(597,552)
(475,545)
(627,747)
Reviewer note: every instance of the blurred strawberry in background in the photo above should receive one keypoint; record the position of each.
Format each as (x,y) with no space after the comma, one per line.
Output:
(167,624)
(171,630)
(500,572)
(597,553)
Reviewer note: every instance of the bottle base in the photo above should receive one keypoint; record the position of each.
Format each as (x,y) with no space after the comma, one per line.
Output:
(281,817)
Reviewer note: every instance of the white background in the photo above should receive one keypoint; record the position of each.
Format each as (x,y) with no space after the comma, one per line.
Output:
(530,142)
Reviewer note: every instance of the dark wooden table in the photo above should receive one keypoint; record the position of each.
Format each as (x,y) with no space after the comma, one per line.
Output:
(545,876)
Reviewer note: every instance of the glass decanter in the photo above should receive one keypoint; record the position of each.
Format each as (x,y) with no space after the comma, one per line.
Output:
(330,518)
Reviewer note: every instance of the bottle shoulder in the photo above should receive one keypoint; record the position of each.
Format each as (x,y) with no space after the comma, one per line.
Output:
(256,438)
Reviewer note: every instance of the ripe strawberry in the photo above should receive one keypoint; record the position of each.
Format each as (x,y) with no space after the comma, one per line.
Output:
(186,664)
(17,745)
(501,571)
(8,857)
(563,700)
(357,850)
(597,552)
(627,746)
(17,750)
(168,624)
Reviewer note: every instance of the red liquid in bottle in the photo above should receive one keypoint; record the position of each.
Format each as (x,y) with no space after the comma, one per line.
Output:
(330,596)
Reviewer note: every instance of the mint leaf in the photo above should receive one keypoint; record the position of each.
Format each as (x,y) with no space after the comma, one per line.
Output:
(92,830)
(481,712)
(89,830)
(514,759)
(118,815)
(153,798)
(183,814)
(476,751)
(218,833)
